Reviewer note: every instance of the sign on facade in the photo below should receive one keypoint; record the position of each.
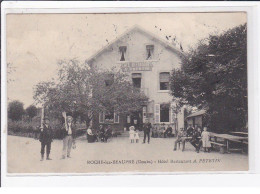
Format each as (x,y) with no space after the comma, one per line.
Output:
(137,66)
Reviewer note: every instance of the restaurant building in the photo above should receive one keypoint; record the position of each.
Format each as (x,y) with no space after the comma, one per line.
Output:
(149,61)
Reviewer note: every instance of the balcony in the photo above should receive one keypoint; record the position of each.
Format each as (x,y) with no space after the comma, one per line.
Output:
(130,66)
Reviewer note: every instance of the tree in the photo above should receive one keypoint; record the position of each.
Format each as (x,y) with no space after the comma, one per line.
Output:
(86,91)
(15,110)
(214,76)
(31,111)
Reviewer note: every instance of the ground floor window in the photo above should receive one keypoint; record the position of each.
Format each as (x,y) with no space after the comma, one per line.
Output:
(108,117)
(164,113)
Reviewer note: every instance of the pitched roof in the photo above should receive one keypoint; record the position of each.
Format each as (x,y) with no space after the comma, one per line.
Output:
(198,113)
(136,28)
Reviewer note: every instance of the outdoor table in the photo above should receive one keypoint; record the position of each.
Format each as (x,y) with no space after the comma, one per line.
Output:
(227,138)
(244,134)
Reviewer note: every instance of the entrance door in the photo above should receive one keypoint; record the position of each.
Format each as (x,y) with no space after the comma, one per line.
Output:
(135,119)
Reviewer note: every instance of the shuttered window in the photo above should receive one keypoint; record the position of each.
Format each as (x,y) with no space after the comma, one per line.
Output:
(164,113)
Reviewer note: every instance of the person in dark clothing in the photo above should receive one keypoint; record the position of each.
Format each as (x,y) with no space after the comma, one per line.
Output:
(108,133)
(190,131)
(147,128)
(101,133)
(167,132)
(196,140)
(46,136)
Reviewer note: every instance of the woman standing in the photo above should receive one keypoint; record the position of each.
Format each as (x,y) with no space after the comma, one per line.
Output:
(205,137)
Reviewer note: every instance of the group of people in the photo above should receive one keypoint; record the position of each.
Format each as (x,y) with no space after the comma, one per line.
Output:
(195,136)
(68,135)
(134,134)
(102,134)
(162,131)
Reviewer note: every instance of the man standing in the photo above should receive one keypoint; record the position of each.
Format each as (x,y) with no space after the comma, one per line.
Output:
(147,128)
(46,136)
(69,133)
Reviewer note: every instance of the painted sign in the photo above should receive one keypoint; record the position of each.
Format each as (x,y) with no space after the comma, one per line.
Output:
(137,66)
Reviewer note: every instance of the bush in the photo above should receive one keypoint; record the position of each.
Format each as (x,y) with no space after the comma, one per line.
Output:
(20,128)
(30,128)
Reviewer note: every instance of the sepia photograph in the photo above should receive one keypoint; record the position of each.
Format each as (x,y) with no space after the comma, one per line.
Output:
(127,92)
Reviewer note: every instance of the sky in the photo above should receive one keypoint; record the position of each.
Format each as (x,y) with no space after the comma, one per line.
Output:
(35,42)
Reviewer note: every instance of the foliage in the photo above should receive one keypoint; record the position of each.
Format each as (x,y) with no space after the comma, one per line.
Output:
(19,126)
(86,91)
(214,75)
(15,110)
(31,111)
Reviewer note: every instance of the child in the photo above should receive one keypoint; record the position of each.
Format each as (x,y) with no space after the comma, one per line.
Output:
(136,136)
(205,137)
(131,134)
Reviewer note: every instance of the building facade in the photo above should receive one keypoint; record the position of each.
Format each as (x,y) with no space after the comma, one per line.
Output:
(149,61)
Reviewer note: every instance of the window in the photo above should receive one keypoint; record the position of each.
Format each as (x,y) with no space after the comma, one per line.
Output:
(122,51)
(108,117)
(164,81)
(164,113)
(109,79)
(137,77)
(149,51)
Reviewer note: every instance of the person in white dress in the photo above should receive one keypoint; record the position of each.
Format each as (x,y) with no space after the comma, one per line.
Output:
(132,134)
(205,137)
(136,136)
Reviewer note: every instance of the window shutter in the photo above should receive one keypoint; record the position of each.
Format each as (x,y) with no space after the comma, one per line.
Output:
(157,113)
(128,119)
(172,113)
(144,113)
(116,118)
(101,117)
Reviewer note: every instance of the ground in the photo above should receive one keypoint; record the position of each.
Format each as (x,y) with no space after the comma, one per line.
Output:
(118,155)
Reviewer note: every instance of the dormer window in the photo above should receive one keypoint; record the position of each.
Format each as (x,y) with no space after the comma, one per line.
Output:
(149,52)
(122,51)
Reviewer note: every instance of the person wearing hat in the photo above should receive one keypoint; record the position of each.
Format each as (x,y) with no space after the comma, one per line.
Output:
(147,128)
(46,137)
(69,133)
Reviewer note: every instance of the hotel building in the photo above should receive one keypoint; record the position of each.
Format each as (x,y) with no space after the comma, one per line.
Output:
(149,61)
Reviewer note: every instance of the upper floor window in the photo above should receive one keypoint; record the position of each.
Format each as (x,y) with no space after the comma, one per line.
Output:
(137,77)
(122,51)
(164,81)
(149,52)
